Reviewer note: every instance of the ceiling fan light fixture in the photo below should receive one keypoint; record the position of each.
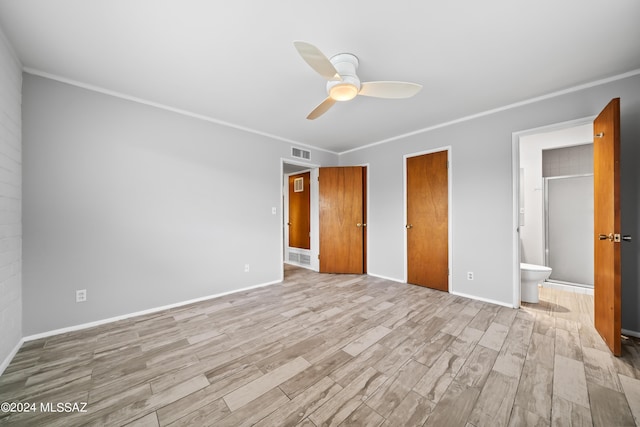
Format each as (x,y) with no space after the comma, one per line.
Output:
(343,83)
(343,92)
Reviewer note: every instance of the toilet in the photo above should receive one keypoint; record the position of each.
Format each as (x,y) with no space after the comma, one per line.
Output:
(530,276)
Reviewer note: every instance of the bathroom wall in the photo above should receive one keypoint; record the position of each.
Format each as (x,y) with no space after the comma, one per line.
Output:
(531,147)
(565,161)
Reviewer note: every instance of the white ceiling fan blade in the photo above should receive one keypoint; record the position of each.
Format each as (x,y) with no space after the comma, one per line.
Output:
(389,89)
(317,60)
(322,108)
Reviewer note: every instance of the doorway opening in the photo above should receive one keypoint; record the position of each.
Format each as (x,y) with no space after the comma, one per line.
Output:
(341,198)
(299,250)
(568,215)
(606,213)
(552,164)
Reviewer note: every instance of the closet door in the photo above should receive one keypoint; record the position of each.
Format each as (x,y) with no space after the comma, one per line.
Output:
(427,224)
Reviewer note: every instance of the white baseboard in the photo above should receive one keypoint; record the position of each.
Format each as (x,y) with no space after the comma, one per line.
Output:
(459,294)
(568,288)
(10,356)
(138,313)
(490,301)
(631,333)
(385,277)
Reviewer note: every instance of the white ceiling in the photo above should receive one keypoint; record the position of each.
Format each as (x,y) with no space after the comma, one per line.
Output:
(234,61)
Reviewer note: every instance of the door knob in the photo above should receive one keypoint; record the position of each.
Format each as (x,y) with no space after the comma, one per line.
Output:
(358,225)
(605,237)
(626,238)
(408,226)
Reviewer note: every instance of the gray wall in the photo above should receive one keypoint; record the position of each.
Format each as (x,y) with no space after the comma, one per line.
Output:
(10,202)
(481,162)
(144,207)
(630,203)
(140,206)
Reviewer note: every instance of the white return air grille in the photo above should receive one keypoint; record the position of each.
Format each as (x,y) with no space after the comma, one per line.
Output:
(300,153)
(305,259)
(299,258)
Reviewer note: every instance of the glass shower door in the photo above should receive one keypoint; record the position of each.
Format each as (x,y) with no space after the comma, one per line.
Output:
(569,229)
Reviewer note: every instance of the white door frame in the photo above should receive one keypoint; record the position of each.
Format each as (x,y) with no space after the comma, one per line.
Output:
(448,149)
(515,179)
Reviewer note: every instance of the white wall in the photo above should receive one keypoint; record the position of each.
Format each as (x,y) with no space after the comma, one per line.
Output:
(481,162)
(531,146)
(140,206)
(10,202)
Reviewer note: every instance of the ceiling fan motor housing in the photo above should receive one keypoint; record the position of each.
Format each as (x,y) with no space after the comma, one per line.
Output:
(346,65)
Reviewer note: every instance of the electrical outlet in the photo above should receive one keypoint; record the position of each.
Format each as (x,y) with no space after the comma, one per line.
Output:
(81,295)
(246,268)
(469,275)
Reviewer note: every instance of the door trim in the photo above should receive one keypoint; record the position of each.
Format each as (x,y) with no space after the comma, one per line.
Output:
(448,149)
(515,181)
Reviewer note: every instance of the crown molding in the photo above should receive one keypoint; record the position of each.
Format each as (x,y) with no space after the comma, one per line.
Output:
(180,111)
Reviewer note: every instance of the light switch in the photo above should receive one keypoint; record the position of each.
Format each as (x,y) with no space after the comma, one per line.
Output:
(274,211)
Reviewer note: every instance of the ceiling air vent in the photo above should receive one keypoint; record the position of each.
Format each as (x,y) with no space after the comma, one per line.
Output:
(300,153)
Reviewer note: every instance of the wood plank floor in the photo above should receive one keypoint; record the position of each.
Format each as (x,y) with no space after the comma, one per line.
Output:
(322,350)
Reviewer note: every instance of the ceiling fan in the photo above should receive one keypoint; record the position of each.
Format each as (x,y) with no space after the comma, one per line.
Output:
(343,84)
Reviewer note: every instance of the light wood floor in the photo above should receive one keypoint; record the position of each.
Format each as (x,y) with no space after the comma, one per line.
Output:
(334,350)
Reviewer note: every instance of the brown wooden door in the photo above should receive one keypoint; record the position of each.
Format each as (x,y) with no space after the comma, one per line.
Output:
(428,221)
(300,211)
(606,201)
(342,220)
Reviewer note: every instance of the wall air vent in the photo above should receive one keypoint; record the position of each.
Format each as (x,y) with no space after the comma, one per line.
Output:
(299,153)
(300,259)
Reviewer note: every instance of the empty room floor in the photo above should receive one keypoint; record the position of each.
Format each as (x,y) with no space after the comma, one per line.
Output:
(332,350)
